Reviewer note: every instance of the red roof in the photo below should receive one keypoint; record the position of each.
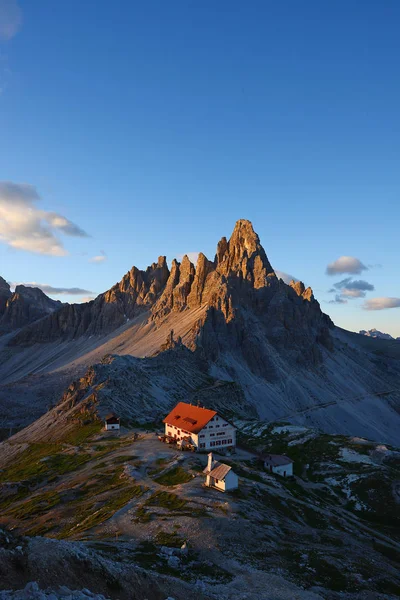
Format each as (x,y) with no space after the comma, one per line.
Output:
(189,418)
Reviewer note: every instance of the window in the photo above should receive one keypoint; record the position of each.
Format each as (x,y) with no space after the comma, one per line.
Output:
(216,418)
(211,427)
(216,426)
(202,445)
(218,442)
(220,433)
(212,443)
(216,481)
(224,442)
(202,435)
(230,441)
(212,434)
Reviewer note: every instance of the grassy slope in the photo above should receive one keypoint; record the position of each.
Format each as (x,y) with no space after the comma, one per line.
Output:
(72,489)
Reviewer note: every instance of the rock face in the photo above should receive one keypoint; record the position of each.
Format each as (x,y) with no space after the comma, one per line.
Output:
(26,305)
(239,288)
(135,293)
(375,333)
(229,320)
(5,293)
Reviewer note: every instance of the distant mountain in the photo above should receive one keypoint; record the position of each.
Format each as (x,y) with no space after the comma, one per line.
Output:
(229,320)
(375,333)
(23,306)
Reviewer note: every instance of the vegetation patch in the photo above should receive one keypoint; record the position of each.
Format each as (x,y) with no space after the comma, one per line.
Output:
(174,476)
(89,515)
(166,500)
(30,465)
(65,463)
(36,506)
(81,433)
(172,540)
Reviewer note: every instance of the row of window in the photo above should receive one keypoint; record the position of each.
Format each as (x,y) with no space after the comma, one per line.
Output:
(217,443)
(213,434)
(183,431)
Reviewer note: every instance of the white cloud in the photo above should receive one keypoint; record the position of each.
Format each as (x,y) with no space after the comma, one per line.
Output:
(100,258)
(285,276)
(192,256)
(10,19)
(381,303)
(349,293)
(86,299)
(25,227)
(53,291)
(346,264)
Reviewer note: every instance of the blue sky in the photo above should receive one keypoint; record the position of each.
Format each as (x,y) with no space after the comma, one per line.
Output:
(149,128)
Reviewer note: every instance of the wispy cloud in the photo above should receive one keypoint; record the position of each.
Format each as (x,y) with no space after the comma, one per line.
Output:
(100,258)
(10,19)
(338,300)
(350,288)
(26,227)
(86,299)
(53,291)
(381,303)
(285,276)
(346,264)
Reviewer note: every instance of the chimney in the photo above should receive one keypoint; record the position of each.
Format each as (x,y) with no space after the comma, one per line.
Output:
(210,461)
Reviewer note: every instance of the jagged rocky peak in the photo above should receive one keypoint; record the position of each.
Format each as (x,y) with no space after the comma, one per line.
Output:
(4,286)
(243,255)
(301,290)
(5,293)
(23,306)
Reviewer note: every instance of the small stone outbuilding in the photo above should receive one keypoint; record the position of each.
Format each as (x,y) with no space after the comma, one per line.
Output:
(220,475)
(279,464)
(111,422)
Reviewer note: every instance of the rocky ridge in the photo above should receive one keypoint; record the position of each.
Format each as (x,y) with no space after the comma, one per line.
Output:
(233,321)
(238,284)
(23,306)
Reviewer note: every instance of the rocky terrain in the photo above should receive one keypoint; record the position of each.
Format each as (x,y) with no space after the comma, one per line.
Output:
(239,324)
(375,333)
(23,306)
(128,517)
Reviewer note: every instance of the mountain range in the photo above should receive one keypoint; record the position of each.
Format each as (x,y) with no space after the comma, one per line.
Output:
(225,332)
(375,333)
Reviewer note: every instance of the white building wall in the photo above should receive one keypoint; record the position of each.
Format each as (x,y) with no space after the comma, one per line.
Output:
(217,434)
(283,470)
(111,426)
(231,481)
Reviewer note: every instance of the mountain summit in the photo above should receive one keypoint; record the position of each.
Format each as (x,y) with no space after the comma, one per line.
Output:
(237,287)
(185,331)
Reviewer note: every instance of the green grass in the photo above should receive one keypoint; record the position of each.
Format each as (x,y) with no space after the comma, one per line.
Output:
(124,458)
(36,506)
(172,540)
(65,463)
(30,464)
(81,433)
(142,516)
(166,500)
(175,476)
(89,515)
